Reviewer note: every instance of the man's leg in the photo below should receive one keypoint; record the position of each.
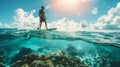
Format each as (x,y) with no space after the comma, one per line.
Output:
(46,25)
(40,25)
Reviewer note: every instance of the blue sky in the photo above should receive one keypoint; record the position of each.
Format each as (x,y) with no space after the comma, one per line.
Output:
(8,8)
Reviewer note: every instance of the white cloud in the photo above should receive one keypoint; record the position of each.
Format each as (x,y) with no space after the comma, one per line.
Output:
(63,25)
(69,25)
(84,24)
(95,11)
(47,7)
(111,21)
(25,20)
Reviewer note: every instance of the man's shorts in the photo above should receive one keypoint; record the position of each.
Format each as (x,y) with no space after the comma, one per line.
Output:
(42,20)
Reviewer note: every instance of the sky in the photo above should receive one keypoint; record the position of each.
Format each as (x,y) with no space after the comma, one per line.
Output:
(85,13)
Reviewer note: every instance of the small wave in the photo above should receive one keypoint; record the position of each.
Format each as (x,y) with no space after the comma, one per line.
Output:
(99,38)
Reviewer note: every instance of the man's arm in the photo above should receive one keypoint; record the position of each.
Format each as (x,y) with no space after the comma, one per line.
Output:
(39,13)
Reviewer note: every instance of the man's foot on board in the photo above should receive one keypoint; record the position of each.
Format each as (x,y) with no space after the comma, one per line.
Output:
(38,28)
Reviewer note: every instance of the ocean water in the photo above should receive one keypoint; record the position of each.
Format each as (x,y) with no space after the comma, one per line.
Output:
(96,49)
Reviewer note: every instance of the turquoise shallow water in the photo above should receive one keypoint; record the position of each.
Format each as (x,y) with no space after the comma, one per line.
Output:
(96,49)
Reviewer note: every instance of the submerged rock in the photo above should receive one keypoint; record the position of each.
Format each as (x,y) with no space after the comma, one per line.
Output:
(2,57)
(72,51)
(50,60)
(21,53)
(40,63)
(115,64)
(2,65)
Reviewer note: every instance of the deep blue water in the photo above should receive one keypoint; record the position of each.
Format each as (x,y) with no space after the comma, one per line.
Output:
(96,49)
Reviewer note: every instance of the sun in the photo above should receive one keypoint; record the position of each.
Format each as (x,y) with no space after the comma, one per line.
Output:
(69,2)
(69,7)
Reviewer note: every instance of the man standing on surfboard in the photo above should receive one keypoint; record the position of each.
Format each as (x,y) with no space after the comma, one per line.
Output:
(42,17)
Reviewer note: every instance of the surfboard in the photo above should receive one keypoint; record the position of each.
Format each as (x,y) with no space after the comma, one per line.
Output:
(50,29)
(39,32)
